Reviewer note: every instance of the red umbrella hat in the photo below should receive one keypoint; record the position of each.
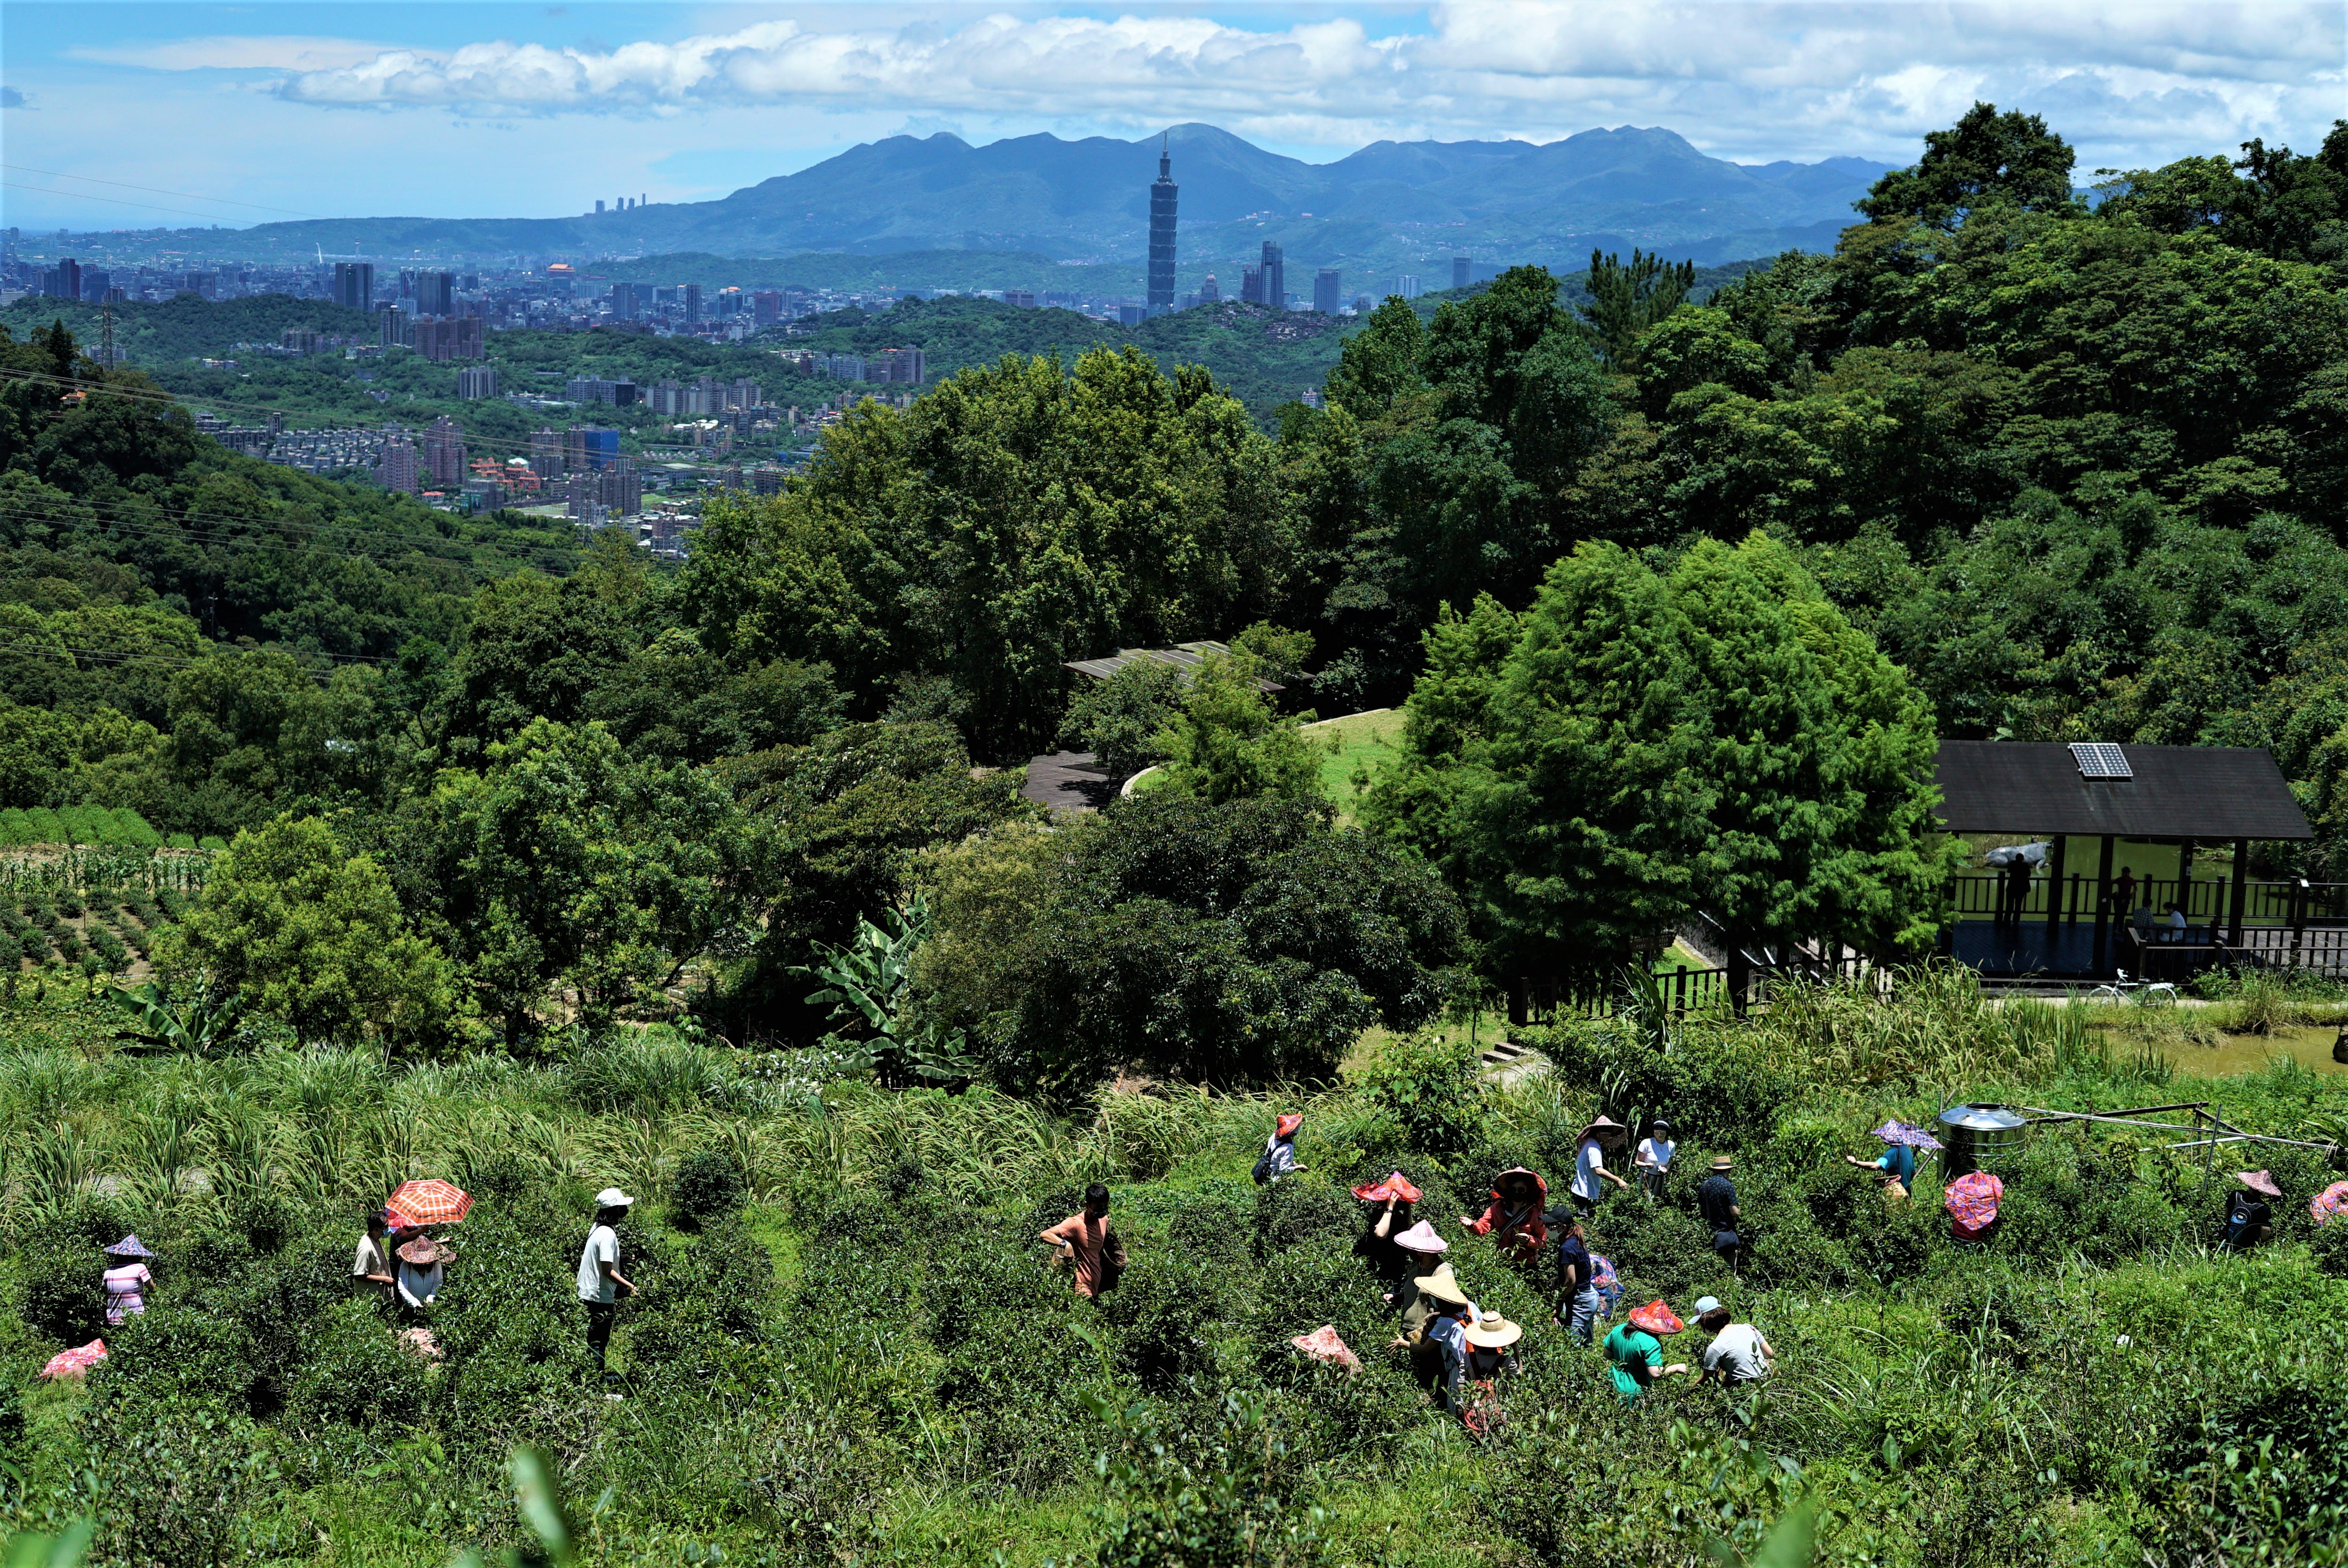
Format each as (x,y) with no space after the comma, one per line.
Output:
(429,1202)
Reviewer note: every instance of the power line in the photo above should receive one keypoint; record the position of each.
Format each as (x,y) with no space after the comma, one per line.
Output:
(110,200)
(156,190)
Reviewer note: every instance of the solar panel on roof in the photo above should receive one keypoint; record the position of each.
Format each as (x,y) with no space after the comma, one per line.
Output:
(2101,760)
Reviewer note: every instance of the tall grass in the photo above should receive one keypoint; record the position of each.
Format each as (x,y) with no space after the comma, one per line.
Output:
(1935,1027)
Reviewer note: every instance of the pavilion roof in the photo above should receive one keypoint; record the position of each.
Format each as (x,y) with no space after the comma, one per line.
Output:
(2206,792)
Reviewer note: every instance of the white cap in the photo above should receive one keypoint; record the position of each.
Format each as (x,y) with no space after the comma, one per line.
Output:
(613,1198)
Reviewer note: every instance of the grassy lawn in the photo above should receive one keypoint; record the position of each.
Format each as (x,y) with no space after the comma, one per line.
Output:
(1362,741)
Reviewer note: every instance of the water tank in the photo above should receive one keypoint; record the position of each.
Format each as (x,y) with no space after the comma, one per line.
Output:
(1982,1138)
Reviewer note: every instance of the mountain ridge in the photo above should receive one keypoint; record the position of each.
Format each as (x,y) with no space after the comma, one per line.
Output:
(1404,205)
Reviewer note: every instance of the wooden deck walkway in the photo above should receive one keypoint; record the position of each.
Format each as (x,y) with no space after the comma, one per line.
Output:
(1069,781)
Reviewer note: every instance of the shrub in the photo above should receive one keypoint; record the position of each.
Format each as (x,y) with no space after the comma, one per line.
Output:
(177,1477)
(1433,1088)
(176,1355)
(61,1294)
(1161,1316)
(707,1186)
(2262,1477)
(356,1372)
(1290,1210)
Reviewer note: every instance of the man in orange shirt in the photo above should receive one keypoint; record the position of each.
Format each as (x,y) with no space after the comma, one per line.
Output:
(1085,1240)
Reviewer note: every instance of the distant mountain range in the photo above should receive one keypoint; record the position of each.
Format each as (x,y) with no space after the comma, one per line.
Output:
(1391,207)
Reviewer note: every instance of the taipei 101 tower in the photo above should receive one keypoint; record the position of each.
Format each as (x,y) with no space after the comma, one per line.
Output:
(1161,234)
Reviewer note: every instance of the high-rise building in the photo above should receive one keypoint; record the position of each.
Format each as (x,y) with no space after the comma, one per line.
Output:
(443,338)
(1462,268)
(588,448)
(546,453)
(1251,285)
(767,307)
(1275,276)
(1406,286)
(900,365)
(436,293)
(1132,315)
(1361,304)
(443,454)
(624,307)
(391,330)
(354,285)
(1210,292)
(95,282)
(395,467)
(476,382)
(63,281)
(691,303)
(1162,191)
(1328,290)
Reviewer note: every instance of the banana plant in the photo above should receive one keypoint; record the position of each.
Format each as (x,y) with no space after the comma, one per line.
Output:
(869,983)
(1646,1006)
(205,1026)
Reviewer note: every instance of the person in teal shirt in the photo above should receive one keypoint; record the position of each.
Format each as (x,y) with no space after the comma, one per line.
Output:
(1897,1163)
(1635,1350)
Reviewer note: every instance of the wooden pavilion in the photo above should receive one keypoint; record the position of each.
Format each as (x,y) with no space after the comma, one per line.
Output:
(2057,918)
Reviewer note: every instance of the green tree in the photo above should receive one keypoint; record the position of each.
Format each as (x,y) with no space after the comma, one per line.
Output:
(1247,943)
(833,831)
(1986,157)
(1716,738)
(1627,300)
(1226,743)
(310,933)
(1018,516)
(562,866)
(1120,720)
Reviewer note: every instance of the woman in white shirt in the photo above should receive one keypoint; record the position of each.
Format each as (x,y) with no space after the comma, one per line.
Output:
(423,1263)
(1652,1158)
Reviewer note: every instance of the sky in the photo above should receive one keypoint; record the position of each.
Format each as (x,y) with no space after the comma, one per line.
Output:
(135,115)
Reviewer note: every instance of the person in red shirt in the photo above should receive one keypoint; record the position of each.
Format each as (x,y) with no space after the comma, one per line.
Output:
(1513,1219)
(1085,1240)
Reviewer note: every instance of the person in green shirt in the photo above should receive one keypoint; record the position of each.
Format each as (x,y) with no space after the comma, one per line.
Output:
(1635,1350)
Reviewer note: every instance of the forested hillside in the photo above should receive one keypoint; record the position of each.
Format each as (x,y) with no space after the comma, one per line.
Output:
(550,869)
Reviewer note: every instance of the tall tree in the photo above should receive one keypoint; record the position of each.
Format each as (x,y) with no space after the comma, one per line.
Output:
(1626,300)
(309,932)
(1986,157)
(560,865)
(1017,517)
(1648,745)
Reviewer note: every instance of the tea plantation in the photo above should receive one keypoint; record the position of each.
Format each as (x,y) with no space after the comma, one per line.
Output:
(847,1346)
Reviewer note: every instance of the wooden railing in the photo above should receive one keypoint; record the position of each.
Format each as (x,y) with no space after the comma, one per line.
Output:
(1686,991)
(2205,900)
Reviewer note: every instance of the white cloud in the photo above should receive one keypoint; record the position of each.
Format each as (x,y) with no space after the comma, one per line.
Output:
(2128,81)
(234,54)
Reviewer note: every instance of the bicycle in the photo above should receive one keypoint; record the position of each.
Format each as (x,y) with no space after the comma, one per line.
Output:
(2140,993)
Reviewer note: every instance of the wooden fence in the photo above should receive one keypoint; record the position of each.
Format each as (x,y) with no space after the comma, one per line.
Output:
(1685,993)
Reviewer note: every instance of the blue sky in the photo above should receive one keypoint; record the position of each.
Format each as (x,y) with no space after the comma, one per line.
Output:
(242,113)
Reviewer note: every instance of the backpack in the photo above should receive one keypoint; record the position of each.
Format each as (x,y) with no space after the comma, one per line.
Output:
(1262,1172)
